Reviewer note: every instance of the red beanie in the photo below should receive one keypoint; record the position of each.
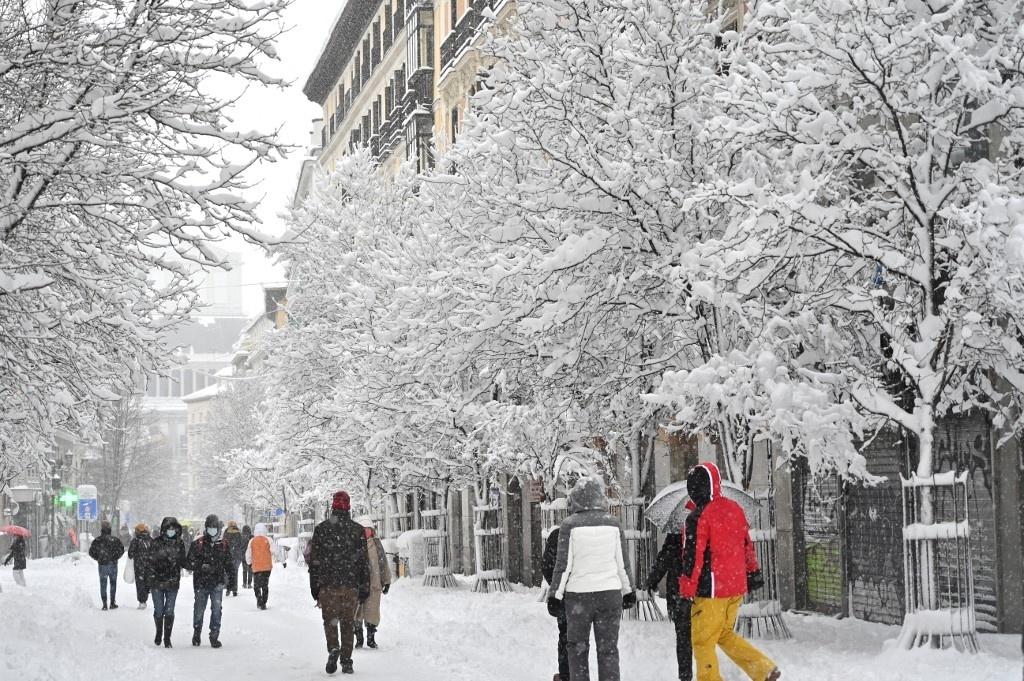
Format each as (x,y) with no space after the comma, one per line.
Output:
(341,502)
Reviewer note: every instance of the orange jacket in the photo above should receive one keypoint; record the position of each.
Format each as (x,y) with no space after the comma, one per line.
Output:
(259,549)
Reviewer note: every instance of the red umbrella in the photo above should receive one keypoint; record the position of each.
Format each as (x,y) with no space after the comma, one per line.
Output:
(16,530)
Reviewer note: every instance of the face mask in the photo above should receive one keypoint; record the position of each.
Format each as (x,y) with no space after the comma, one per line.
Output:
(212,531)
(171,533)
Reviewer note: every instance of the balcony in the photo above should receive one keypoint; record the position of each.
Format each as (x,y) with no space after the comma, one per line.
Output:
(465,31)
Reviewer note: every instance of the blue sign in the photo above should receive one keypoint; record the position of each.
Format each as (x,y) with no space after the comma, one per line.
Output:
(88,509)
(279,512)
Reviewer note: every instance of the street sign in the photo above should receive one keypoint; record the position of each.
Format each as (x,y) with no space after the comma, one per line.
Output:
(88,509)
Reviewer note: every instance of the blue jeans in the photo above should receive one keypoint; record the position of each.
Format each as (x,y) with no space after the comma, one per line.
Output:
(215,596)
(163,602)
(108,573)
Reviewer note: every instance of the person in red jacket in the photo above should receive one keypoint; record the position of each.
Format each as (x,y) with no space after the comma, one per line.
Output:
(718,560)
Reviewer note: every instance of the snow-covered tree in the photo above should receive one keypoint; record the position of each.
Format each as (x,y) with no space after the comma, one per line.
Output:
(119,165)
(571,172)
(868,185)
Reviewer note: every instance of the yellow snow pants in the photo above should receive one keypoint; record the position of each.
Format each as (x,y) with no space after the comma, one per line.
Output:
(713,621)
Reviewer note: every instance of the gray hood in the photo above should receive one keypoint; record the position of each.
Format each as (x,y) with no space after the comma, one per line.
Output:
(588,495)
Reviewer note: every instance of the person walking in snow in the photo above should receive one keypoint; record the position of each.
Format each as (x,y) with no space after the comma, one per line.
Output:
(718,561)
(106,550)
(138,552)
(380,584)
(669,565)
(166,561)
(591,581)
(209,559)
(246,569)
(17,554)
(547,568)
(237,544)
(339,578)
(259,556)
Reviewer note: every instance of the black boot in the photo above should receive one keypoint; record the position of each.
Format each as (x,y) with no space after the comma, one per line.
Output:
(113,603)
(168,626)
(357,627)
(104,602)
(159,621)
(332,661)
(371,630)
(197,636)
(215,641)
(346,667)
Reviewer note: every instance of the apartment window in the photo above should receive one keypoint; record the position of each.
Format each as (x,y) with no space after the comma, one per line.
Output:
(399,16)
(454,13)
(375,49)
(376,115)
(420,41)
(366,60)
(455,125)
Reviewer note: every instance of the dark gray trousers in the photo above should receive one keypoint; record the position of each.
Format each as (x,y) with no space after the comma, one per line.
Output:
(603,611)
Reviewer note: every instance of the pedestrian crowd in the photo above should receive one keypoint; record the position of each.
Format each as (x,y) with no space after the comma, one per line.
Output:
(708,565)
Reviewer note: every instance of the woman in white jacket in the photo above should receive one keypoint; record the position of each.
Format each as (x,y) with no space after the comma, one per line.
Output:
(591,582)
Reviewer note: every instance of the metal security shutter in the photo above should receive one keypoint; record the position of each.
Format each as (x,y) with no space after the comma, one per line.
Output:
(874,521)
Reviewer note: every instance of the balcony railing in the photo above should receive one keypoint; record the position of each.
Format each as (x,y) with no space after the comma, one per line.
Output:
(465,31)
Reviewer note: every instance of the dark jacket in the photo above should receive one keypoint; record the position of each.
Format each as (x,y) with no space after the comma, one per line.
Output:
(668,564)
(167,557)
(139,550)
(106,549)
(718,552)
(17,554)
(547,565)
(210,562)
(236,543)
(338,556)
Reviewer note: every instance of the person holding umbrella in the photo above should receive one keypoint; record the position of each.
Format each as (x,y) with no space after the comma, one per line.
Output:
(17,554)
(669,565)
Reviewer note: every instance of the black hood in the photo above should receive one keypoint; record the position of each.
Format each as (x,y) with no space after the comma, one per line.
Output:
(212,521)
(169,522)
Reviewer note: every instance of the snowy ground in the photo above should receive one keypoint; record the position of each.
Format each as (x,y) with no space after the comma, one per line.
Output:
(54,629)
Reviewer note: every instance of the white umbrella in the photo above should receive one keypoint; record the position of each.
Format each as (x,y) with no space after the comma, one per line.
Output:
(668,508)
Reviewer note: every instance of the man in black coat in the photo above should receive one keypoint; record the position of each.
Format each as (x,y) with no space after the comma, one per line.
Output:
(339,578)
(209,559)
(548,569)
(106,550)
(669,564)
(237,543)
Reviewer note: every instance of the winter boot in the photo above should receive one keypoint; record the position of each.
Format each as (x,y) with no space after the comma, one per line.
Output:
(332,661)
(197,636)
(215,641)
(371,631)
(775,675)
(104,602)
(168,626)
(113,603)
(357,627)
(346,667)
(142,605)
(159,621)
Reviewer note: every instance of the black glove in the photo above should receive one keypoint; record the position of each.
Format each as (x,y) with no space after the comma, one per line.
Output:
(629,600)
(364,593)
(384,589)
(555,606)
(755,580)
